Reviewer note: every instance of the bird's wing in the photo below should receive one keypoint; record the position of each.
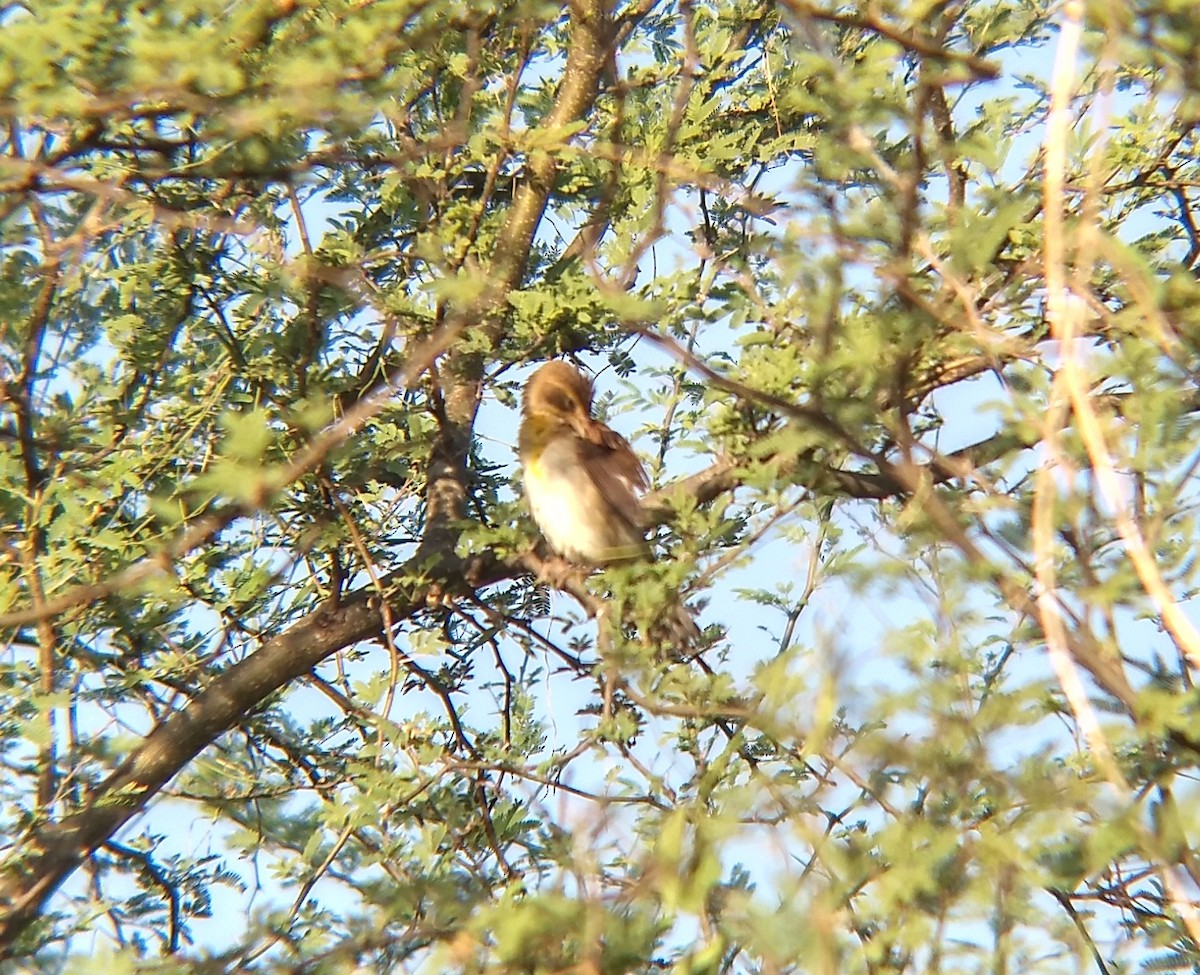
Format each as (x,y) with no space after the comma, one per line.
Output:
(615,470)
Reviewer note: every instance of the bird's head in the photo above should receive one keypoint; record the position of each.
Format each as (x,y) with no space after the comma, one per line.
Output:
(558,391)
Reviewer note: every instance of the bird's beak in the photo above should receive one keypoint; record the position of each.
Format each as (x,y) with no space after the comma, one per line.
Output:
(587,428)
(582,424)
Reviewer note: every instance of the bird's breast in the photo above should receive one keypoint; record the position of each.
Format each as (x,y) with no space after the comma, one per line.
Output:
(571,512)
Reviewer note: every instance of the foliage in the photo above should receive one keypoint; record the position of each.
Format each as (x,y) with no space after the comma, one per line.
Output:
(907,339)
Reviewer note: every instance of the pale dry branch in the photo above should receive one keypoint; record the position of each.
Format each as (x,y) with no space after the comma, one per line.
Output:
(1045,493)
(1071,389)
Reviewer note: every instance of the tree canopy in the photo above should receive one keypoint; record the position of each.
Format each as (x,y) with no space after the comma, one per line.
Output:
(896,299)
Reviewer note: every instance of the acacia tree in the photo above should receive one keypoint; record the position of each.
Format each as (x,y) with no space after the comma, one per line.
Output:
(897,301)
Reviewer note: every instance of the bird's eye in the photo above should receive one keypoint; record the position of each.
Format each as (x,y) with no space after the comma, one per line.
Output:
(561,402)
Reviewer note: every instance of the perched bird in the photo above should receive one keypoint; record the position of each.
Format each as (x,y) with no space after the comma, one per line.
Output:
(583,481)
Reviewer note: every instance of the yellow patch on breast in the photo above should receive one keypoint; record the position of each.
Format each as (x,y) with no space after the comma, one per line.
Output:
(532,470)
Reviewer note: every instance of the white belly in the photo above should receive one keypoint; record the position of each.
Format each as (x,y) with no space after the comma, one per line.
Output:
(571,513)
(573,527)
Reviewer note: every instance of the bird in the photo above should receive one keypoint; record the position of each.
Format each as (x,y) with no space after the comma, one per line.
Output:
(583,481)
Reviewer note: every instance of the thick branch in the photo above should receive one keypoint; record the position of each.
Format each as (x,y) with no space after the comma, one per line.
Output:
(723,476)
(586,59)
(461,377)
(908,39)
(54,851)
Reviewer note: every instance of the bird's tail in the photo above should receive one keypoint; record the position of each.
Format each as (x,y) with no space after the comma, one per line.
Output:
(678,632)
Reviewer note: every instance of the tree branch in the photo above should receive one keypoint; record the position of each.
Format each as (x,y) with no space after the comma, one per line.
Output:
(51,853)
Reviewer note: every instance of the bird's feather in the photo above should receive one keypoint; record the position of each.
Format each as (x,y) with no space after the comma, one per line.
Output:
(614,468)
